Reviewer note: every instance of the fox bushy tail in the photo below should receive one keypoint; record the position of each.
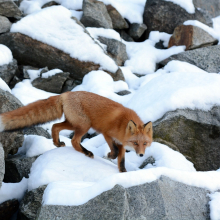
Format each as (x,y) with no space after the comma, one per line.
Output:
(38,112)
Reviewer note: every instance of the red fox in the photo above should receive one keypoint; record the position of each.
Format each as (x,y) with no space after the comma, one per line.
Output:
(121,127)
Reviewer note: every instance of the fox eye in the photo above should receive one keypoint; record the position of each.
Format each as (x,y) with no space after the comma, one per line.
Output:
(135,143)
(145,143)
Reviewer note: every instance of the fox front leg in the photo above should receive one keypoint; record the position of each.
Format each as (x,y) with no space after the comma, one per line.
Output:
(121,159)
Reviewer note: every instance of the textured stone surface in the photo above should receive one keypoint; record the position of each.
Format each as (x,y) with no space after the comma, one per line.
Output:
(30,204)
(5,24)
(9,9)
(164,16)
(118,22)
(167,199)
(149,160)
(2,164)
(136,30)
(49,4)
(17,167)
(194,133)
(109,205)
(31,52)
(212,6)
(7,71)
(95,14)
(125,36)
(192,37)
(115,49)
(123,92)
(8,208)
(160,199)
(52,84)
(206,58)
(34,130)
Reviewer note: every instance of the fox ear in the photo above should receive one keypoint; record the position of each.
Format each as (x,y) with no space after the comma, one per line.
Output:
(148,128)
(131,127)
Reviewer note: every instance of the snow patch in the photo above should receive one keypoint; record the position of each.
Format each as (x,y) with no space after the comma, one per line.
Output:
(215,206)
(10,191)
(62,32)
(4,86)
(5,55)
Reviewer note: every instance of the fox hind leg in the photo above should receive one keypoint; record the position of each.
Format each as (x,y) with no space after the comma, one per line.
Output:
(79,132)
(55,132)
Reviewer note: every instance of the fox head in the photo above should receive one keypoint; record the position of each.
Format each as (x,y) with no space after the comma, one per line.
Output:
(138,138)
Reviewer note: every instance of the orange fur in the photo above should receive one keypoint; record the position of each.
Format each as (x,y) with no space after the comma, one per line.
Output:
(121,127)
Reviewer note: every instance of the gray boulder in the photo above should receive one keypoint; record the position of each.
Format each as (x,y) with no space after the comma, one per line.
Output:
(95,14)
(149,160)
(118,21)
(192,37)
(212,6)
(125,36)
(53,83)
(5,24)
(164,16)
(30,204)
(194,133)
(7,71)
(8,208)
(136,30)
(9,9)
(206,58)
(160,199)
(2,164)
(17,167)
(49,4)
(115,49)
(35,53)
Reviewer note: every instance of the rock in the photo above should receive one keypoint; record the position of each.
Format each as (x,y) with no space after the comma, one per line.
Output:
(52,84)
(31,203)
(42,55)
(14,81)
(7,71)
(34,130)
(123,92)
(25,71)
(70,84)
(109,205)
(8,208)
(160,199)
(125,36)
(206,58)
(2,164)
(194,133)
(167,199)
(9,9)
(95,14)
(192,37)
(115,49)
(136,30)
(164,16)
(17,167)
(49,4)
(118,22)
(5,24)
(149,160)
(212,6)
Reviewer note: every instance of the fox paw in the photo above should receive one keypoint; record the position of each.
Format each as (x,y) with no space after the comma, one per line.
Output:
(60,144)
(122,170)
(110,156)
(90,154)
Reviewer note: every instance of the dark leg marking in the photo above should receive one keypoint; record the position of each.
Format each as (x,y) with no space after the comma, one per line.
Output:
(86,152)
(122,165)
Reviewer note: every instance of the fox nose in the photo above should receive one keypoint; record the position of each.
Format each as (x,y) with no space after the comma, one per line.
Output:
(141,155)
